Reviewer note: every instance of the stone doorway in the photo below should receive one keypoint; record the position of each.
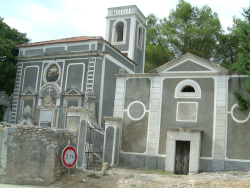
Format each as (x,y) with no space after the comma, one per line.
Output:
(185,135)
(182,157)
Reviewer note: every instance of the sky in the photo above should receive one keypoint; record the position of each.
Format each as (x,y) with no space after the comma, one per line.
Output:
(44,20)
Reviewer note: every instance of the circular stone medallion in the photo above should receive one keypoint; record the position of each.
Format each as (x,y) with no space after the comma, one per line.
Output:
(136,110)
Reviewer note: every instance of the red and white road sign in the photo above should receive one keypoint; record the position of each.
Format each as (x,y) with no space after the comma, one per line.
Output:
(69,156)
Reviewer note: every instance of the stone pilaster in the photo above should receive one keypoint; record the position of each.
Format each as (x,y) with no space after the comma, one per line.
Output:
(154,121)
(119,96)
(220,122)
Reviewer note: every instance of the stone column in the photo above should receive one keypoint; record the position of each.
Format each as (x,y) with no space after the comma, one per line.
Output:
(112,140)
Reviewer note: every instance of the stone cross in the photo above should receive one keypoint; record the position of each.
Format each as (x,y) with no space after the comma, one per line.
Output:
(49,90)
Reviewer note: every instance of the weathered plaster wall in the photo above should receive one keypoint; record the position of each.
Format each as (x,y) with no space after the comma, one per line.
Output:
(74,77)
(135,125)
(32,155)
(238,130)
(205,106)
(109,84)
(119,58)
(139,52)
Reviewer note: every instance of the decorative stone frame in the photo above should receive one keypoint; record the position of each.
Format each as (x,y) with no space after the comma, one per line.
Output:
(68,95)
(178,115)
(178,90)
(46,86)
(46,70)
(27,94)
(23,98)
(114,32)
(237,120)
(54,120)
(181,134)
(143,114)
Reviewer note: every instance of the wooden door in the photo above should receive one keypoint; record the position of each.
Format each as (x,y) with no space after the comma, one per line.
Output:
(182,157)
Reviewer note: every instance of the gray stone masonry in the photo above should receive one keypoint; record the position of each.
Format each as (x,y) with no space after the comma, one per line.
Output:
(32,155)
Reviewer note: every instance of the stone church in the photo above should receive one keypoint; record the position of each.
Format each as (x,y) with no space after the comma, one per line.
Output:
(55,75)
(181,117)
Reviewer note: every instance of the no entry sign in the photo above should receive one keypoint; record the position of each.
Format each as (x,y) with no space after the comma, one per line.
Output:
(69,156)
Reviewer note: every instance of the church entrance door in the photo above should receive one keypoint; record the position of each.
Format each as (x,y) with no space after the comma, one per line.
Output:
(182,157)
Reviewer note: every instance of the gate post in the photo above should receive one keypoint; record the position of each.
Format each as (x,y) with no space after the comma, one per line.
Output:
(112,140)
(81,157)
(77,119)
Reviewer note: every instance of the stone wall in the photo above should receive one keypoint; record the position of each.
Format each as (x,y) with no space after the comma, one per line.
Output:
(32,155)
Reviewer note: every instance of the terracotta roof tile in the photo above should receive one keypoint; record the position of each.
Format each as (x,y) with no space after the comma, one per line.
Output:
(73,39)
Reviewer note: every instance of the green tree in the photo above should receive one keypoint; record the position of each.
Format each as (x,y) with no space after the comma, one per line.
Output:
(194,30)
(157,50)
(227,50)
(9,38)
(241,29)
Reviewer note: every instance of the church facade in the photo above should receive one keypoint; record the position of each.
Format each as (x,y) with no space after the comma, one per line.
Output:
(183,117)
(55,75)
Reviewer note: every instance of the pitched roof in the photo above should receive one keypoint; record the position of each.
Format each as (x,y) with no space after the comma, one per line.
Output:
(72,39)
(175,62)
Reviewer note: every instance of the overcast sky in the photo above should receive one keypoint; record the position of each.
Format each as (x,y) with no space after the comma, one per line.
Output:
(54,19)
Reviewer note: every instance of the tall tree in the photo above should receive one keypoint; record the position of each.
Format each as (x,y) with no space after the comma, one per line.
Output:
(157,50)
(227,50)
(190,29)
(241,30)
(9,38)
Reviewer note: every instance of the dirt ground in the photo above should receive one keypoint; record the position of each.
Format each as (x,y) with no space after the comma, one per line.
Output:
(124,177)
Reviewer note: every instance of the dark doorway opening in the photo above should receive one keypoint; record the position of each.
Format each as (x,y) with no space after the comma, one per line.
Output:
(182,157)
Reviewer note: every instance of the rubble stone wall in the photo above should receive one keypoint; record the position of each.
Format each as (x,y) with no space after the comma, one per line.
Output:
(32,155)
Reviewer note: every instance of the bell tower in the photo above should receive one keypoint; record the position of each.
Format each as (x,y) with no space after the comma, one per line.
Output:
(126,30)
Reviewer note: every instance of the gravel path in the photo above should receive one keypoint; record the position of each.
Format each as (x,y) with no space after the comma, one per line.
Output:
(123,178)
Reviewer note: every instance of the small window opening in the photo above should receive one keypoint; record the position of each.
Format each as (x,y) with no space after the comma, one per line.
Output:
(140,36)
(188,89)
(119,31)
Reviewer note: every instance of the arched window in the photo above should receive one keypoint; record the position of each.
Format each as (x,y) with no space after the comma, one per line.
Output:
(119,32)
(188,89)
(119,29)
(140,37)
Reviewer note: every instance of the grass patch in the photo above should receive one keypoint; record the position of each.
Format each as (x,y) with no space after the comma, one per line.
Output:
(132,185)
(93,176)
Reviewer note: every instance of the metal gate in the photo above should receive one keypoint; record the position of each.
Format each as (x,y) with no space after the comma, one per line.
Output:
(94,147)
